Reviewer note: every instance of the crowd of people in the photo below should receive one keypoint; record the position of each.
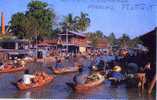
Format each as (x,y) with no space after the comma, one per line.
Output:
(117,65)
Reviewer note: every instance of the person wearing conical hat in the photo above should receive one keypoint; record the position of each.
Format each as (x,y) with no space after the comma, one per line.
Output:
(117,69)
(116,74)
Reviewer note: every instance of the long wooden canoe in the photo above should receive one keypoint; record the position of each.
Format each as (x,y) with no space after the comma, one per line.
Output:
(10,68)
(65,70)
(40,83)
(87,86)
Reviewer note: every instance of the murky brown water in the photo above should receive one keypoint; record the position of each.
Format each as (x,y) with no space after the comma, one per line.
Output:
(58,88)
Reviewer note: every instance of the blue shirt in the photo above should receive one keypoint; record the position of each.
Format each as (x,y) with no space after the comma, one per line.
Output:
(58,65)
(97,60)
(117,75)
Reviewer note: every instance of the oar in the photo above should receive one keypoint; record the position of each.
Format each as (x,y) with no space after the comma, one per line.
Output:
(72,85)
(14,84)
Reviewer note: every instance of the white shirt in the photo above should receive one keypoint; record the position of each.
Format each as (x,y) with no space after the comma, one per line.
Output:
(2,66)
(27,78)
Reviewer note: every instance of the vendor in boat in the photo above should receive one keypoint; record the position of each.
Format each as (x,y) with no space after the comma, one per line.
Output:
(99,63)
(84,72)
(1,65)
(100,66)
(58,63)
(27,77)
(98,59)
(116,75)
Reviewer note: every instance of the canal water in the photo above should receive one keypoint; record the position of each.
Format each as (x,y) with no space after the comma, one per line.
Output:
(59,90)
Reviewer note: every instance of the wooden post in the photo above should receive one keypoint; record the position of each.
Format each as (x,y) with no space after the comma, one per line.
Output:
(152,84)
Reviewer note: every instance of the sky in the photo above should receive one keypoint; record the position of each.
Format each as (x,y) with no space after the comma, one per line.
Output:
(133,17)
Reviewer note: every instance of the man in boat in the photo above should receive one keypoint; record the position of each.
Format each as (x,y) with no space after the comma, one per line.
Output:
(1,65)
(58,63)
(84,71)
(116,76)
(27,77)
(99,62)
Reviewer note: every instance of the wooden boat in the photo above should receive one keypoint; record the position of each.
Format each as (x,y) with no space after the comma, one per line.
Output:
(28,59)
(10,68)
(88,85)
(65,70)
(39,83)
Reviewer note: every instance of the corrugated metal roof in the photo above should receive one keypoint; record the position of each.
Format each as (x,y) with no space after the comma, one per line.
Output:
(76,33)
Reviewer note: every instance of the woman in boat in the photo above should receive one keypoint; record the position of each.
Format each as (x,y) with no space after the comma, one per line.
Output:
(27,77)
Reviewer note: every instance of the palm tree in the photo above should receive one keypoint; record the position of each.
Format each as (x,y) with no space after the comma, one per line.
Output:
(82,22)
(68,23)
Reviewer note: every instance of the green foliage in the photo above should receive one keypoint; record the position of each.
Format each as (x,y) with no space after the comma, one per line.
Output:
(83,21)
(111,39)
(133,43)
(36,5)
(94,37)
(6,37)
(124,40)
(38,20)
(99,34)
(77,23)
(18,24)
(69,23)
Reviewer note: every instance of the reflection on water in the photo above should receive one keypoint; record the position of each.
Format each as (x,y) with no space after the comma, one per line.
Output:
(58,88)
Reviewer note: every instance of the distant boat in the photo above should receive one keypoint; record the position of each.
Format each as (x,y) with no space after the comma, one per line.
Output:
(65,70)
(11,68)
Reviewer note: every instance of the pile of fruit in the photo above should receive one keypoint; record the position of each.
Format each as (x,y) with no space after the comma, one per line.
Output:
(93,77)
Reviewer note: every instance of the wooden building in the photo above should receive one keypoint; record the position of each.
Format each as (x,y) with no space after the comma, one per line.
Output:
(75,42)
(149,40)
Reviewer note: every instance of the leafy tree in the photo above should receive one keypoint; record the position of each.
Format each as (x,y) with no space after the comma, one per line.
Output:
(99,34)
(111,39)
(36,5)
(43,15)
(94,37)
(38,20)
(17,22)
(124,40)
(133,43)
